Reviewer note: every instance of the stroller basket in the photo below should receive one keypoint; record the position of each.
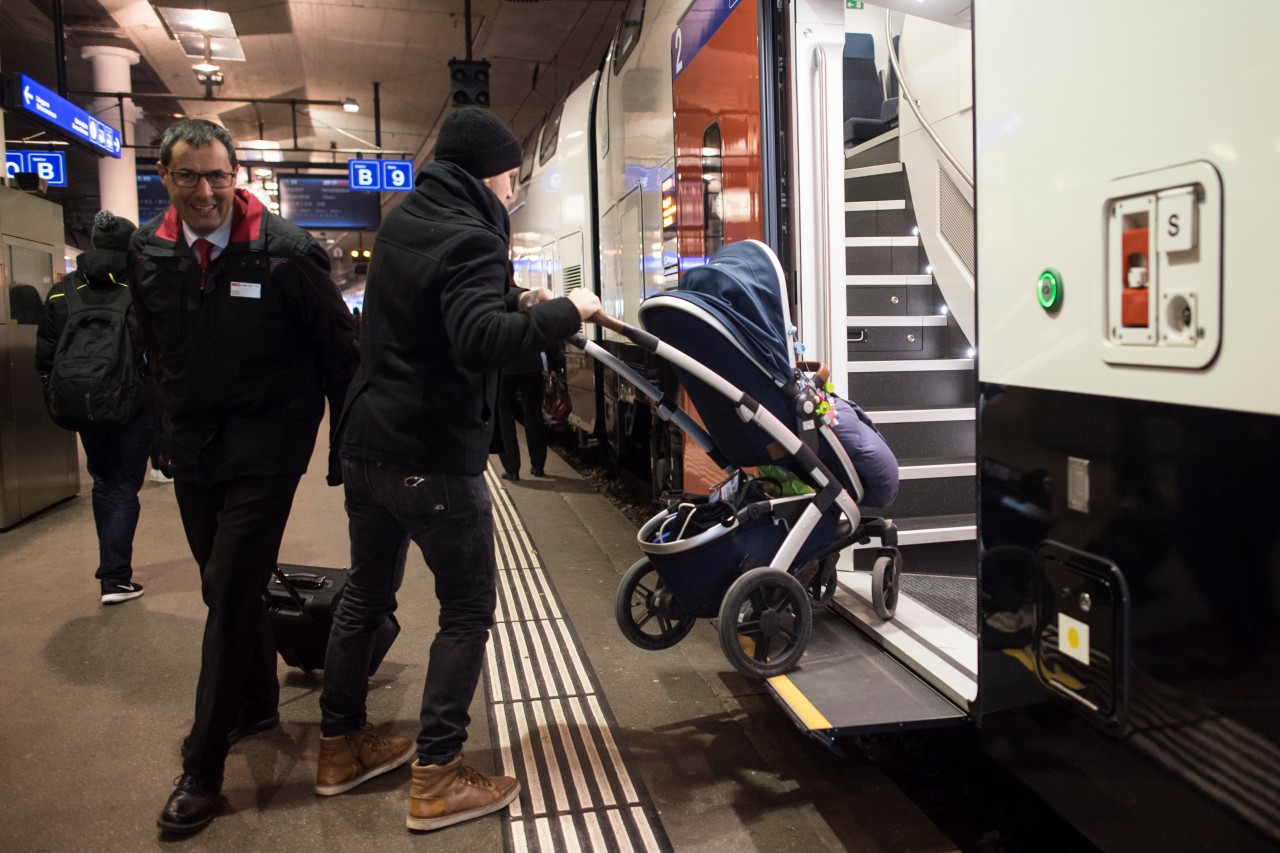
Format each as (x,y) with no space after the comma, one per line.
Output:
(700,548)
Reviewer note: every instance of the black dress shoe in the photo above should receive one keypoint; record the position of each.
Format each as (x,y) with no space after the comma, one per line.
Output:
(537,472)
(192,804)
(506,475)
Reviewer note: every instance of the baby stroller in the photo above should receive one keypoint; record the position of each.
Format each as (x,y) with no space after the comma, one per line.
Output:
(756,562)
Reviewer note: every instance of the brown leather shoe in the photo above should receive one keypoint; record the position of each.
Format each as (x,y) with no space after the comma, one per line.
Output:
(445,794)
(349,759)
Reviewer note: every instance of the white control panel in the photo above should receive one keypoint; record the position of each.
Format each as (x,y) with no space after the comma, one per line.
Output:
(1164,267)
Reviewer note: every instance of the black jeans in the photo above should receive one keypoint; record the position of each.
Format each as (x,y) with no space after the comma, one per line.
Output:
(450,517)
(117,462)
(522,392)
(234,530)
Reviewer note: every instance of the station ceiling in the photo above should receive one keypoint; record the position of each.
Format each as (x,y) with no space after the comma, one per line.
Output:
(302,50)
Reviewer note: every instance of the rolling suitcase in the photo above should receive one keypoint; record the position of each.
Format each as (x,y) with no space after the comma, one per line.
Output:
(300,603)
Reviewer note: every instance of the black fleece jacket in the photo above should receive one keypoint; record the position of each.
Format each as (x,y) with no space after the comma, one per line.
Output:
(439,320)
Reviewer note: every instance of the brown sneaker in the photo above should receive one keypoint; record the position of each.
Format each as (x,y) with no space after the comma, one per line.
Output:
(351,758)
(445,794)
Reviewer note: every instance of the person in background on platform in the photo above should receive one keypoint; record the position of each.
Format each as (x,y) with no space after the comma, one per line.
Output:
(116,455)
(355,317)
(521,392)
(418,422)
(250,336)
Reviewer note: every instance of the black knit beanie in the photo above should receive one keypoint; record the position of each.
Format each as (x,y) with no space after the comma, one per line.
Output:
(111,232)
(479,143)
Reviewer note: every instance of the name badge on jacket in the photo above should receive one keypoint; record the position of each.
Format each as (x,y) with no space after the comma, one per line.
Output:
(246,289)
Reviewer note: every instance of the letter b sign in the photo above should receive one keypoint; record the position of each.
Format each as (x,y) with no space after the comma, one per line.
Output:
(364,177)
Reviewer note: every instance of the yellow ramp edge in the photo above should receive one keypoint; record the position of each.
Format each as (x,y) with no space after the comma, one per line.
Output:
(805,712)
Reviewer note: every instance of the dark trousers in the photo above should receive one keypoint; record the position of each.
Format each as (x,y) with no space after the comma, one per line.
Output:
(522,392)
(117,462)
(450,517)
(234,530)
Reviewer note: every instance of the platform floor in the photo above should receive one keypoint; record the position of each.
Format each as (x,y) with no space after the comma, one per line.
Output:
(619,748)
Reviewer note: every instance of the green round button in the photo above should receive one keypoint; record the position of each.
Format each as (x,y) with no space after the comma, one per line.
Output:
(1049,290)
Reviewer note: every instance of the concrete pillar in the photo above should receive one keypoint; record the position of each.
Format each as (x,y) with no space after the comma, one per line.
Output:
(117,177)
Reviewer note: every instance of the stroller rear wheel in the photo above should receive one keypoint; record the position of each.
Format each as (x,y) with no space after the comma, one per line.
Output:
(647,613)
(884,585)
(765,622)
(823,586)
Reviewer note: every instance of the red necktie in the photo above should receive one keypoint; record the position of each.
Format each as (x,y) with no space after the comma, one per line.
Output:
(203,250)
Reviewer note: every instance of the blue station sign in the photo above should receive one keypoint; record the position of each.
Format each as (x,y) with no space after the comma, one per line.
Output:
(50,165)
(393,176)
(51,109)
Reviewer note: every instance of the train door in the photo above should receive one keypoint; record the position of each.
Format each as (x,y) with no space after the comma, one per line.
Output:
(719,149)
(626,417)
(579,369)
(869,282)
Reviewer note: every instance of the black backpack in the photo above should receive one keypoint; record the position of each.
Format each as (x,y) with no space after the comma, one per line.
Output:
(96,380)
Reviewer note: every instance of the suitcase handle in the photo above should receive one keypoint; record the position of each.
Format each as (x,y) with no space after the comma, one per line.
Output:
(306,580)
(288,587)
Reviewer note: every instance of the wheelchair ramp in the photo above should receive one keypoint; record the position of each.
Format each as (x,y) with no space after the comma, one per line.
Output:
(846,685)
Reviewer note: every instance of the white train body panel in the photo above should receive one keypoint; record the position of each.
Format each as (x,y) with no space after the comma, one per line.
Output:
(635,149)
(1063,177)
(553,222)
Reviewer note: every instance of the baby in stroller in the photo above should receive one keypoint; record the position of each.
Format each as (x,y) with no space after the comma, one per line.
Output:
(757,561)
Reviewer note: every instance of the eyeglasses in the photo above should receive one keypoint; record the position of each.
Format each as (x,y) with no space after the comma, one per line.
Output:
(217,180)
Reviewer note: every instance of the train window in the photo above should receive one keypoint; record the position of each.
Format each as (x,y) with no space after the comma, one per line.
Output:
(32,276)
(528,150)
(551,135)
(712,189)
(628,33)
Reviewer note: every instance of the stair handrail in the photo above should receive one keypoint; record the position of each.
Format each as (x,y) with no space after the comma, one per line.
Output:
(819,95)
(915,107)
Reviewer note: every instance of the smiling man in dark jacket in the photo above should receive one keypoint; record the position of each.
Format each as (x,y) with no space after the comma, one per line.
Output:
(440,318)
(249,336)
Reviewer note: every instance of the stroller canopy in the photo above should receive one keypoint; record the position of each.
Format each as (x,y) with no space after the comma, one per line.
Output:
(742,287)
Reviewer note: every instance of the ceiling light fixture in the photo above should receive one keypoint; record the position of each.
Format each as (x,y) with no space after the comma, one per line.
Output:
(208,75)
(349,105)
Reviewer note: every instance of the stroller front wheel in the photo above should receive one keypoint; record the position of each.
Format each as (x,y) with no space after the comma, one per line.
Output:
(884,586)
(765,622)
(647,613)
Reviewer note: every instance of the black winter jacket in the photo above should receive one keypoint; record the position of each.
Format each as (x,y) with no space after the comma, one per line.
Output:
(439,320)
(246,352)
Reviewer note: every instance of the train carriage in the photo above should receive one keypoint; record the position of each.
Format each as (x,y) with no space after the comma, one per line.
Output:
(1114,652)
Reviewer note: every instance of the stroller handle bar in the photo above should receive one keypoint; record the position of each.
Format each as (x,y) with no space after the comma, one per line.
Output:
(611,323)
(667,408)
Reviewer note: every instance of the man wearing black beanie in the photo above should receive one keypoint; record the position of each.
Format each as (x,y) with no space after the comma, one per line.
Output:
(440,317)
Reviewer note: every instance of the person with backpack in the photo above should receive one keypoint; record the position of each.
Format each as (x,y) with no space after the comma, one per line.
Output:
(92,363)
